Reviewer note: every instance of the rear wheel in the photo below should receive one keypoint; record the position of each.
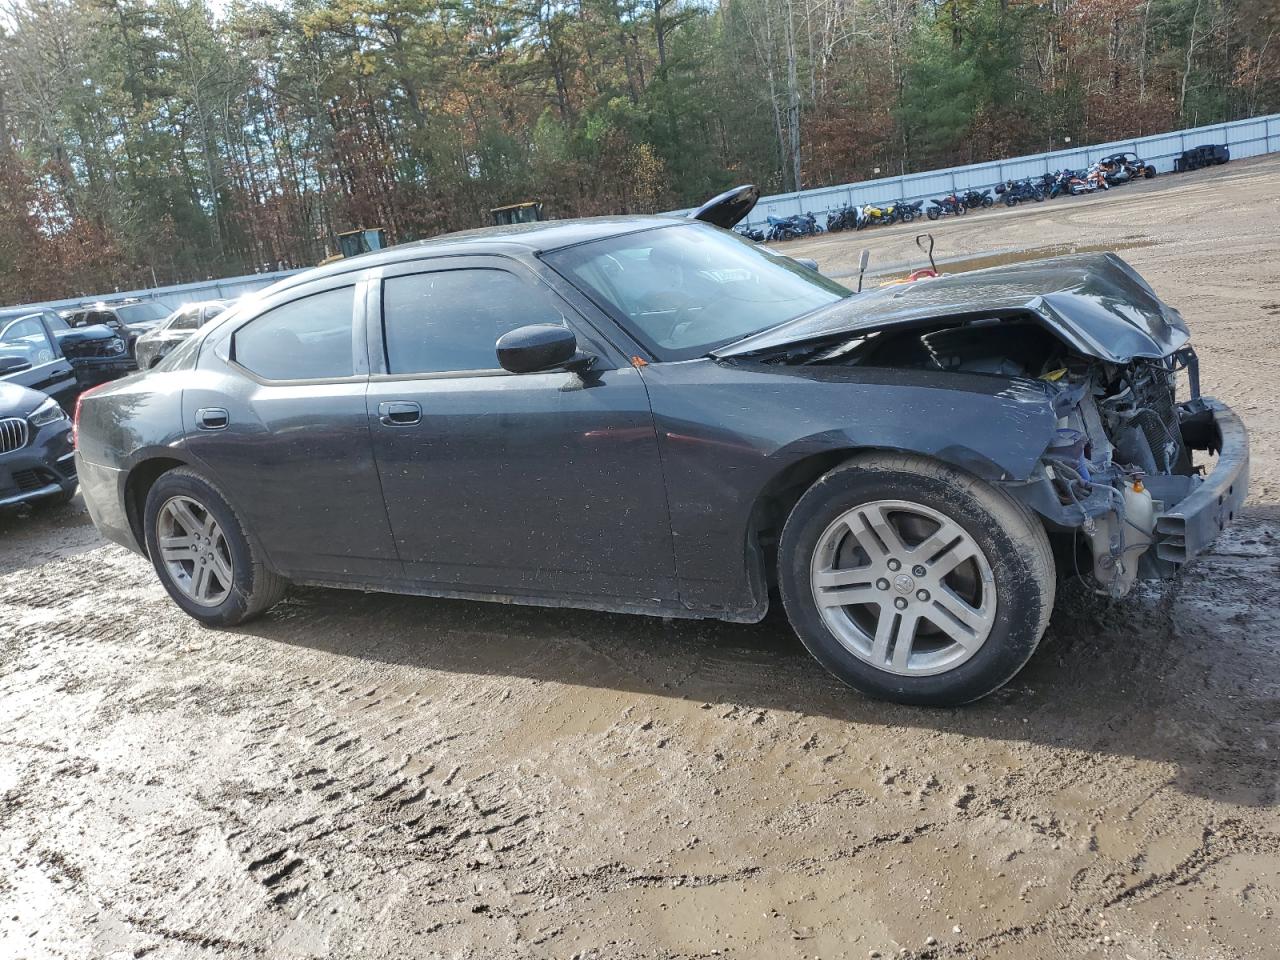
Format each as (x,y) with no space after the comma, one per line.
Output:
(200,551)
(914,582)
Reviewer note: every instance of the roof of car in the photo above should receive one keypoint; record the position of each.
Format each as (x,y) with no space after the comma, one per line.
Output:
(538,237)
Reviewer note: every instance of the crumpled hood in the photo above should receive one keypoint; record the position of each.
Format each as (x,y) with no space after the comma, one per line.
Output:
(1095,302)
(97,331)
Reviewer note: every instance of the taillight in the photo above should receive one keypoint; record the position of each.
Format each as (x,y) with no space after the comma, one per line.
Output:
(75,420)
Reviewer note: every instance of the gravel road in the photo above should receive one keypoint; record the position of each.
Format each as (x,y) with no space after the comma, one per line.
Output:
(365,775)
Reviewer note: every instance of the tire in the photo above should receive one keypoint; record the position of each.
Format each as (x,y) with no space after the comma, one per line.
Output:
(987,202)
(253,586)
(1009,580)
(1149,172)
(933,213)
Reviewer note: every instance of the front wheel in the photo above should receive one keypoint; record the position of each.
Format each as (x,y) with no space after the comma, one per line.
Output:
(933,213)
(987,201)
(914,582)
(201,553)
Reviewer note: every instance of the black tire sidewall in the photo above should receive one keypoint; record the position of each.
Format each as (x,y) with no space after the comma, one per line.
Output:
(182,483)
(1013,637)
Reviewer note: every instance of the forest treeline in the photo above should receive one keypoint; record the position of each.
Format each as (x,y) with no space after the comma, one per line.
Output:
(174,140)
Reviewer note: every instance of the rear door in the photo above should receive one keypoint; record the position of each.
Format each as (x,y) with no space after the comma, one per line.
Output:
(276,409)
(534,485)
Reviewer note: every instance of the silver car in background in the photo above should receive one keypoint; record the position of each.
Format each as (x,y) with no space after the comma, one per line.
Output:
(155,345)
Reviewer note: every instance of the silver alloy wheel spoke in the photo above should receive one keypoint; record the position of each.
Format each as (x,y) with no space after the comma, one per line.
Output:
(194,551)
(903,587)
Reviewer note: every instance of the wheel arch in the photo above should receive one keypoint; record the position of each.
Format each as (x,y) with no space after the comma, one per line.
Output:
(142,476)
(775,500)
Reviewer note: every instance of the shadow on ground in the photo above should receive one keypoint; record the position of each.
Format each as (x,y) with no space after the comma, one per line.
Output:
(1185,674)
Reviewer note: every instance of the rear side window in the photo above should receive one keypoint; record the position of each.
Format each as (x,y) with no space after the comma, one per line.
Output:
(451,321)
(306,339)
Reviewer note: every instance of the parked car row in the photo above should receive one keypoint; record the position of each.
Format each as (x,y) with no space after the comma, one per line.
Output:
(47,359)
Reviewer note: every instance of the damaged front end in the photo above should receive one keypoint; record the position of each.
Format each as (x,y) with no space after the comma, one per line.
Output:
(1132,482)
(1135,483)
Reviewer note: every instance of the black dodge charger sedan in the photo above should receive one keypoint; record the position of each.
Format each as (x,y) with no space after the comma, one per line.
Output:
(654,415)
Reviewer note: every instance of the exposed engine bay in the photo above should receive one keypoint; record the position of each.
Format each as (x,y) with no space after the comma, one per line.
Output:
(1124,449)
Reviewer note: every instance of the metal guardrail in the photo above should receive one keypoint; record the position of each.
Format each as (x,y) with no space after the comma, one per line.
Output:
(1245,138)
(227,288)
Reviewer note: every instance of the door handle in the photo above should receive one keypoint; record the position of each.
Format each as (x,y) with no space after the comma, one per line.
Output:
(212,418)
(399,413)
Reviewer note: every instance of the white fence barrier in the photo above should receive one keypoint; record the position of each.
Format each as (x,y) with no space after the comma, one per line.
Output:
(1245,138)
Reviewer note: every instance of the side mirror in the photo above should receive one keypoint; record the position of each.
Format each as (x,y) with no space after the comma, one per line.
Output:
(539,346)
(13,365)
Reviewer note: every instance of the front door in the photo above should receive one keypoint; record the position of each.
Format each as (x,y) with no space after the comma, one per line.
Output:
(531,485)
(30,357)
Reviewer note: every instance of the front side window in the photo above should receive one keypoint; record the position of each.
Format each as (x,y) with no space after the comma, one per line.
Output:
(306,339)
(450,321)
(26,339)
(188,319)
(684,290)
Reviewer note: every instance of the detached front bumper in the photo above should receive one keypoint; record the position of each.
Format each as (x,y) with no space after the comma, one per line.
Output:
(1191,525)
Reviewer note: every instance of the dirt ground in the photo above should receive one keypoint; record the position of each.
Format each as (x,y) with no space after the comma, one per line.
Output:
(363,775)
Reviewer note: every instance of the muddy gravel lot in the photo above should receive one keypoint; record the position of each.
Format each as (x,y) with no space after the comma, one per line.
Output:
(364,775)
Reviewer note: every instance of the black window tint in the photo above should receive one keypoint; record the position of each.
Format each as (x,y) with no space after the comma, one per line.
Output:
(450,321)
(307,339)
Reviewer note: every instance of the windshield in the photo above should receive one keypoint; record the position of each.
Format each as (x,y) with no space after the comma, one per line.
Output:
(687,289)
(142,312)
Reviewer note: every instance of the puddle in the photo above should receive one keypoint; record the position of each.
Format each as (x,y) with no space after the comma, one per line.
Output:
(999,258)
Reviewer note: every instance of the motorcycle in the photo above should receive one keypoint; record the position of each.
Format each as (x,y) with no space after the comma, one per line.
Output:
(792,228)
(950,205)
(1070,182)
(1019,191)
(751,233)
(907,212)
(873,215)
(846,218)
(977,198)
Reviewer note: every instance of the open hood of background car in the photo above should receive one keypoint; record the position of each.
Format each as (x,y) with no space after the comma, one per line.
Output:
(729,207)
(1096,303)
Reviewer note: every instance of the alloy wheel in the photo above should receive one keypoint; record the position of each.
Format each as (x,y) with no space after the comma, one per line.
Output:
(903,587)
(194,551)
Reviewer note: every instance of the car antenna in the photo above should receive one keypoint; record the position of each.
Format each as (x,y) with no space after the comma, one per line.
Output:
(929,251)
(863,259)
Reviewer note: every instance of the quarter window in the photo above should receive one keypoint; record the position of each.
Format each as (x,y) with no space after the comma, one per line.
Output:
(306,339)
(450,321)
